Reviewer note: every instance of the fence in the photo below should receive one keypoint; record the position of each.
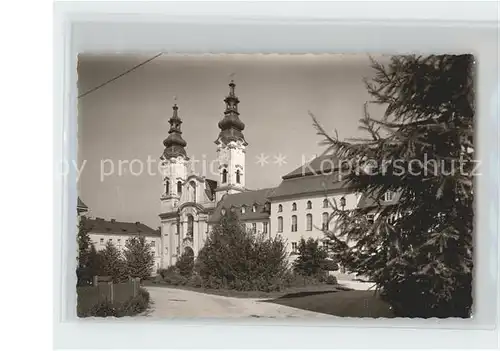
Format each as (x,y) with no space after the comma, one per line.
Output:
(104,290)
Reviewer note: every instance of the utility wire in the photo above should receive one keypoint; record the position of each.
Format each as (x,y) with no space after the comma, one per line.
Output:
(121,75)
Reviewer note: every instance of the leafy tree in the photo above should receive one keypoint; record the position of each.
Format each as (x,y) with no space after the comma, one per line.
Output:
(311,258)
(185,263)
(112,263)
(233,257)
(139,258)
(418,249)
(88,264)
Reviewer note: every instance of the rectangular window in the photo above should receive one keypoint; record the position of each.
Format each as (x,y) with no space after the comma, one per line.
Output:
(254,228)
(264,230)
(294,248)
(280,224)
(101,241)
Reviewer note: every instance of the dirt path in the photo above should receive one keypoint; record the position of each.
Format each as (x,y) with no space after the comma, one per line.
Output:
(168,303)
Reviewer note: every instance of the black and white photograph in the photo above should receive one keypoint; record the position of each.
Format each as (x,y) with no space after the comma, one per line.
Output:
(275,186)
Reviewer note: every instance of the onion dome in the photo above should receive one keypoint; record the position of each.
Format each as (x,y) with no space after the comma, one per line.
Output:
(174,144)
(231,126)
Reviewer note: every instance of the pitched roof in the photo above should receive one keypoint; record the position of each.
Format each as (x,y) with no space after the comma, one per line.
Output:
(259,198)
(100,225)
(312,184)
(320,165)
(317,176)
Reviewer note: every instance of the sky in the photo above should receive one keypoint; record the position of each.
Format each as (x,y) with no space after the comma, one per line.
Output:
(122,125)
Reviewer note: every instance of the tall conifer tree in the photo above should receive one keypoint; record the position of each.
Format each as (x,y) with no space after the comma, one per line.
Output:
(418,250)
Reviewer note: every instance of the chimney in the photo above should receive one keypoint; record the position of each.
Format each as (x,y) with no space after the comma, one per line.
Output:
(137,223)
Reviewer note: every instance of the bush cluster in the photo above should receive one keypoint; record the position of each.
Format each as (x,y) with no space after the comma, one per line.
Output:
(233,258)
(136,260)
(130,307)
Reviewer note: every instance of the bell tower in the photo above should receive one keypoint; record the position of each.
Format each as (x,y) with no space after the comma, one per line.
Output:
(174,161)
(231,148)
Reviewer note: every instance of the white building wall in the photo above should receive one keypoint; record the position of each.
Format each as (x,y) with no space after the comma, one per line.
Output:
(231,157)
(259,224)
(316,211)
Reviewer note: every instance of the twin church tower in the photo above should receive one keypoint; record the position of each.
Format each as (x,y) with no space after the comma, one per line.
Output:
(187,199)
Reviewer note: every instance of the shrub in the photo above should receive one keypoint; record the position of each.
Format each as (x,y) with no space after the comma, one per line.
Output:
(172,276)
(195,281)
(185,263)
(310,259)
(131,307)
(134,305)
(103,309)
(329,265)
(236,259)
(331,280)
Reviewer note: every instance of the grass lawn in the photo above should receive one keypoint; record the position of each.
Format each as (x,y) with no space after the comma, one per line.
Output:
(88,296)
(353,303)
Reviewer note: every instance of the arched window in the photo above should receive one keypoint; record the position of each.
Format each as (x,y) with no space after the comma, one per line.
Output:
(167,186)
(280,224)
(309,222)
(243,209)
(294,207)
(238,176)
(190,225)
(179,187)
(294,223)
(254,208)
(223,211)
(192,191)
(309,205)
(280,208)
(325,203)
(224,176)
(325,220)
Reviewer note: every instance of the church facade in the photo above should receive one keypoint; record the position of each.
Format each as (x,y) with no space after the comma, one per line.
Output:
(190,204)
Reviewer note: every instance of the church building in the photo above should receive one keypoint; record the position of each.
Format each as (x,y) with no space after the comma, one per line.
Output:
(191,204)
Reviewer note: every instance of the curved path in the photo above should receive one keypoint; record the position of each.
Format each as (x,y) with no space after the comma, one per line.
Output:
(169,302)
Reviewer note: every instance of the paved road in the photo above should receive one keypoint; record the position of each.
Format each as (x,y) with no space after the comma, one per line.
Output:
(168,303)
